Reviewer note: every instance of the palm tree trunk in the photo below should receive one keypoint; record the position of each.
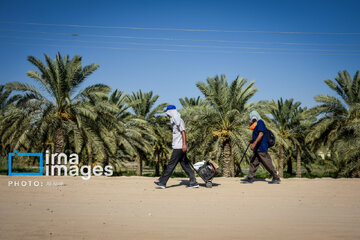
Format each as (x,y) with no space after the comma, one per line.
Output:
(194,159)
(139,166)
(289,166)
(157,166)
(105,162)
(281,164)
(12,165)
(58,144)
(163,164)
(228,165)
(238,170)
(298,163)
(90,158)
(58,140)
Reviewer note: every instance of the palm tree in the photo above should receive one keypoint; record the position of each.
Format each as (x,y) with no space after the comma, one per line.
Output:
(162,144)
(4,95)
(304,120)
(194,145)
(4,103)
(337,126)
(143,105)
(132,134)
(95,135)
(14,130)
(58,108)
(220,126)
(286,116)
(190,102)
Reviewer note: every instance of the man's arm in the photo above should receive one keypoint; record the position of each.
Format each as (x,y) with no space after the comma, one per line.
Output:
(184,148)
(258,139)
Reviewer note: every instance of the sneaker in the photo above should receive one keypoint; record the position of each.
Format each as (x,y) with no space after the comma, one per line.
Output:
(275,181)
(248,180)
(193,185)
(159,184)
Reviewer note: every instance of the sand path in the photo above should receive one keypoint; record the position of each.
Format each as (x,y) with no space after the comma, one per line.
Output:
(131,208)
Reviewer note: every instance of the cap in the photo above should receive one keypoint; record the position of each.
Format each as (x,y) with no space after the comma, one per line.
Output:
(170,107)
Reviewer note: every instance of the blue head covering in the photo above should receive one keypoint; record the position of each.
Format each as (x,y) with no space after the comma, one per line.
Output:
(170,107)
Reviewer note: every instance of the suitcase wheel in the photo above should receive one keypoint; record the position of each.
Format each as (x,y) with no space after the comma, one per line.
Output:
(208,184)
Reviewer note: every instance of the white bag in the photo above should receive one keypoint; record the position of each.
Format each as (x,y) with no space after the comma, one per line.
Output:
(198,165)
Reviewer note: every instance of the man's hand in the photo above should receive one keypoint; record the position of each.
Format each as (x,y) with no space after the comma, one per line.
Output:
(258,139)
(184,148)
(253,146)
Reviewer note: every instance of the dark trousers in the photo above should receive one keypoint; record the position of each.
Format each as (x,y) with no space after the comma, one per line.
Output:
(265,159)
(178,156)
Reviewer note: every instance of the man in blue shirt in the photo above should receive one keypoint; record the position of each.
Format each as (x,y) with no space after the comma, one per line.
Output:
(259,145)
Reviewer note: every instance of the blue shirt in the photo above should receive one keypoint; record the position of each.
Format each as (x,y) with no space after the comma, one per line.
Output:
(262,146)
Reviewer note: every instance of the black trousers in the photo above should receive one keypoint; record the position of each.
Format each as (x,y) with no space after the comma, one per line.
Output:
(178,156)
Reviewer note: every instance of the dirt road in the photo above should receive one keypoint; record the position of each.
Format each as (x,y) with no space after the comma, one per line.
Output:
(132,208)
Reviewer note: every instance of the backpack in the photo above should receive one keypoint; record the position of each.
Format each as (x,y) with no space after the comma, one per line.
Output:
(271,138)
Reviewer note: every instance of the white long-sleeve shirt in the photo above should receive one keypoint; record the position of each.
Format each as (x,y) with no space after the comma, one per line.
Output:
(178,126)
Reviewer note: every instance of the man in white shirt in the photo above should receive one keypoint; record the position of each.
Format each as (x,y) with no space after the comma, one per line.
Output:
(179,150)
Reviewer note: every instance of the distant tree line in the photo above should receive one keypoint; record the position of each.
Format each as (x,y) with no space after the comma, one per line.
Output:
(111,127)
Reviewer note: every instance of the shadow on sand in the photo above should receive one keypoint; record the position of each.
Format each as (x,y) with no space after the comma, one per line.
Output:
(255,180)
(187,182)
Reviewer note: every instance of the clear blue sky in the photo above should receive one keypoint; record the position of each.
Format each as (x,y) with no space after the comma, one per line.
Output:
(129,64)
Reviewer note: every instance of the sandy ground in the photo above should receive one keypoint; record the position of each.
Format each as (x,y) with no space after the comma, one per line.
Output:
(132,208)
